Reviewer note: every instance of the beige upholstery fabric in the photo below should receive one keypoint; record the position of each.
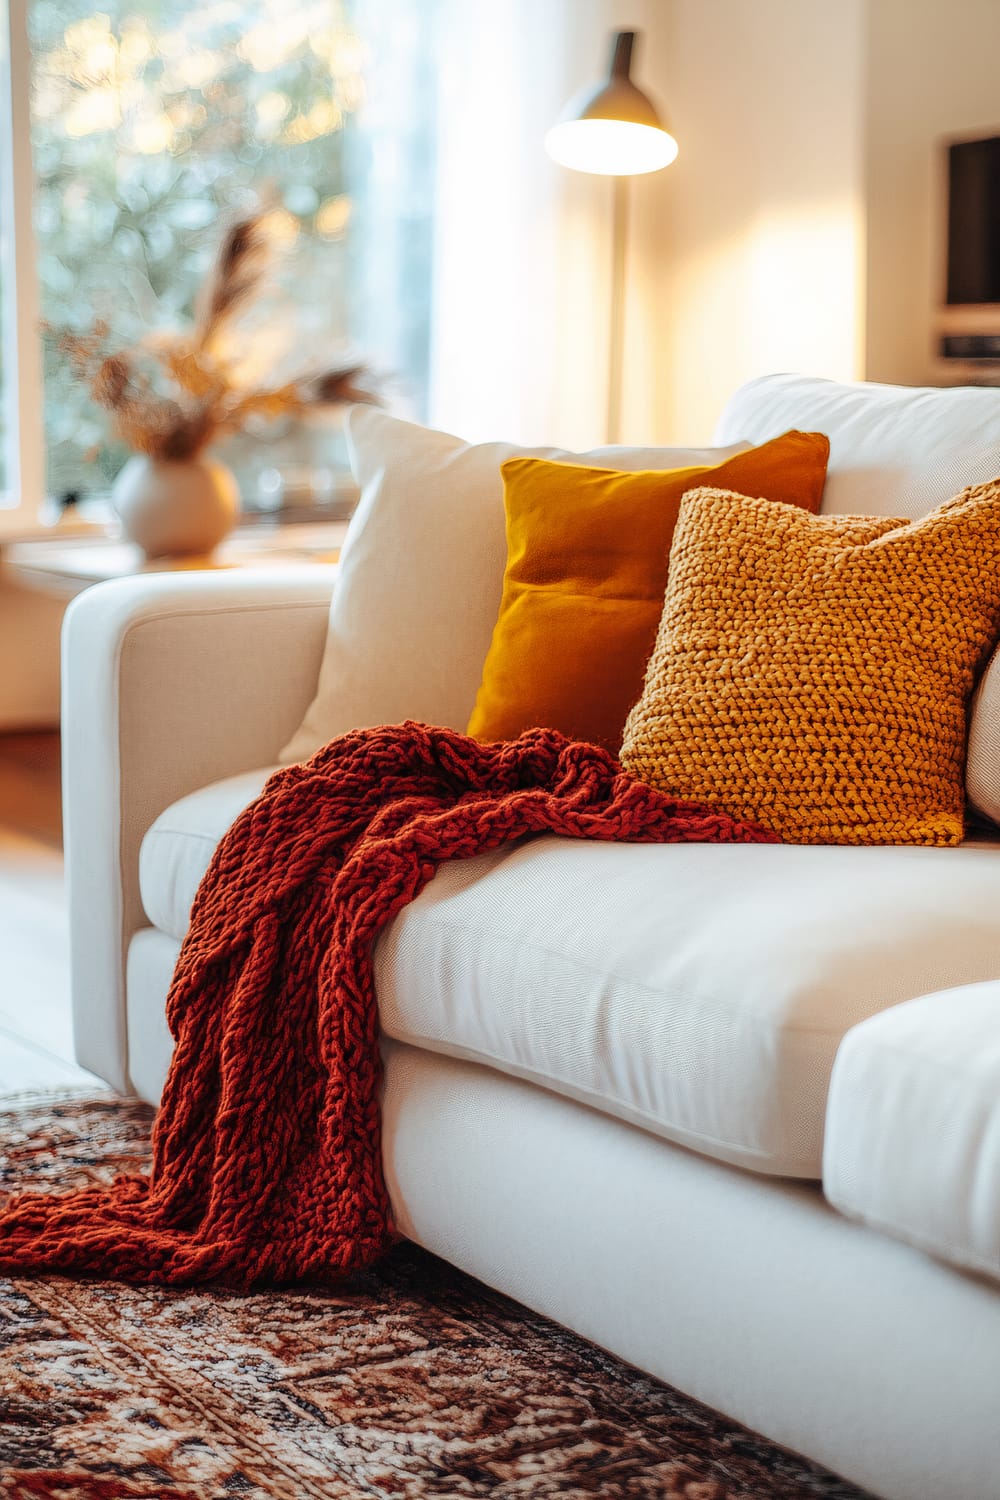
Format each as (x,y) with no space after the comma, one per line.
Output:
(703,996)
(152,956)
(422,572)
(913,1129)
(170,681)
(176,851)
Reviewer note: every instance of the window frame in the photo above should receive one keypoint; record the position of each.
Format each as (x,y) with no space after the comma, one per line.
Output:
(21,503)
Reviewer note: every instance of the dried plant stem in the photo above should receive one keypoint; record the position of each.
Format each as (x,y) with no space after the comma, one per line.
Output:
(203,401)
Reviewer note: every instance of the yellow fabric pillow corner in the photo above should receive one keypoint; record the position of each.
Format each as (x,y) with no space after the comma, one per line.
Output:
(587,553)
(813,673)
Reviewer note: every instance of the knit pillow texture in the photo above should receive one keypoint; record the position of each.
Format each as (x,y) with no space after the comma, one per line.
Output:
(587,553)
(814,672)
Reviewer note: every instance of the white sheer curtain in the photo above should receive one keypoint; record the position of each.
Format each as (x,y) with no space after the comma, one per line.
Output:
(391,169)
(521,246)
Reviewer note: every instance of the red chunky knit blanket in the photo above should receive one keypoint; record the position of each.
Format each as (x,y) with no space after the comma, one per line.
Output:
(266,1148)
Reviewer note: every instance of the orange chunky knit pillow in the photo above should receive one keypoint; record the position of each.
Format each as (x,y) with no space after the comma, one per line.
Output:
(814,672)
(587,557)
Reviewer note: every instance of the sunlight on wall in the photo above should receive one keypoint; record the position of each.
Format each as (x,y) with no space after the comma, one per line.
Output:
(581,310)
(804,306)
(785,293)
(763,248)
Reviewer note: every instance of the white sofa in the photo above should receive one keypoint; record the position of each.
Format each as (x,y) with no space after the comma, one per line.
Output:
(731,1112)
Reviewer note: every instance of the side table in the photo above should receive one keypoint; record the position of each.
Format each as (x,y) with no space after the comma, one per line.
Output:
(66,565)
(39,577)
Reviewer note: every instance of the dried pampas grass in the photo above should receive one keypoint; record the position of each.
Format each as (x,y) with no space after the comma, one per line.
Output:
(171,395)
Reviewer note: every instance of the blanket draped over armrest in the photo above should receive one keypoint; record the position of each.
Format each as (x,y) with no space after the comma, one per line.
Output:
(266,1150)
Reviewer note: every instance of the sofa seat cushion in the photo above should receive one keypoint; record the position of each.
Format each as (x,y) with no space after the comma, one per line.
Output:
(699,991)
(177,849)
(913,1128)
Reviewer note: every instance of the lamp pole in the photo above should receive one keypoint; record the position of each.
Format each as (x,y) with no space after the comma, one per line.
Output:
(614,131)
(616,329)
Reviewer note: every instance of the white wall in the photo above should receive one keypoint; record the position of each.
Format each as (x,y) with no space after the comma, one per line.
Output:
(932,73)
(762,262)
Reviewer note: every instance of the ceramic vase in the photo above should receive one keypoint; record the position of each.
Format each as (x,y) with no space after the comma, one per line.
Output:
(176,508)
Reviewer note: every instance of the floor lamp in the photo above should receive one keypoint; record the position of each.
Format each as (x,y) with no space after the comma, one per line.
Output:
(614,131)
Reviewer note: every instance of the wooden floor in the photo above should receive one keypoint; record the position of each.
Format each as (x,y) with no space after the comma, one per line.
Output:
(36,1047)
(30,800)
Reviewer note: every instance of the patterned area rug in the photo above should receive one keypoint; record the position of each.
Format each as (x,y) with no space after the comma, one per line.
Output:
(411,1382)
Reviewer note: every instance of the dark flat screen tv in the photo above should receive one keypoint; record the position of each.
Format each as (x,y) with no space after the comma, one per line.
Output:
(973,274)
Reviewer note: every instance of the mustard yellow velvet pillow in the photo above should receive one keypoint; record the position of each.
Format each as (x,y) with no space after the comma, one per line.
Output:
(813,673)
(587,554)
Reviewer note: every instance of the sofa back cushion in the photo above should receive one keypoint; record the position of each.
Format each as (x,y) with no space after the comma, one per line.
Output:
(895,450)
(421,573)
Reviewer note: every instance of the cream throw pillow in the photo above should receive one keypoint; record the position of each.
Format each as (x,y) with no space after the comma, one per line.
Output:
(421,573)
(982,767)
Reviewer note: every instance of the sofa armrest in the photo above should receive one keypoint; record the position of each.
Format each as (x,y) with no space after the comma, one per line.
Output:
(170,681)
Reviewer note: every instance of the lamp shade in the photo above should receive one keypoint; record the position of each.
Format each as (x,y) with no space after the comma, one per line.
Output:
(613,130)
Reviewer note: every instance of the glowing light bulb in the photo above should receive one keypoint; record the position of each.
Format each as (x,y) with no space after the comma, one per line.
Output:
(612,148)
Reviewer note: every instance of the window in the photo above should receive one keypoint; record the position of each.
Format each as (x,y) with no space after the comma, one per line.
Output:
(154,121)
(20,464)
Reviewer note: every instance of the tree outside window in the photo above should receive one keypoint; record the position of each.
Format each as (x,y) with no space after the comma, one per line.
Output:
(154,122)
